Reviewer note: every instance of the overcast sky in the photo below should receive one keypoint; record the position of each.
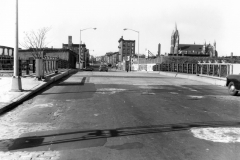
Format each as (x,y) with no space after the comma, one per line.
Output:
(197,21)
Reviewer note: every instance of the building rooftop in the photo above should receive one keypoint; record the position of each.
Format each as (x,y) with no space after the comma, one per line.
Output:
(190,47)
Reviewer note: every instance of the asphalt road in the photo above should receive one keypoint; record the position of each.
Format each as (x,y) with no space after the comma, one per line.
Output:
(124,116)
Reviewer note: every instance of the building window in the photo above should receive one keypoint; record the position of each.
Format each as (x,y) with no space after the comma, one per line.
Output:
(10,52)
(1,51)
(128,44)
(5,51)
(132,44)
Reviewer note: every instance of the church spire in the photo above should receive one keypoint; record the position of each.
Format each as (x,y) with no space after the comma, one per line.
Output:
(175,26)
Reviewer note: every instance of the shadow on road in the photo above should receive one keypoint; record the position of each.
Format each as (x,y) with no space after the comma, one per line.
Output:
(72,139)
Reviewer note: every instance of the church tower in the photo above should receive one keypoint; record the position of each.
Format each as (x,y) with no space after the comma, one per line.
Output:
(176,45)
(204,48)
(176,40)
(172,43)
(214,49)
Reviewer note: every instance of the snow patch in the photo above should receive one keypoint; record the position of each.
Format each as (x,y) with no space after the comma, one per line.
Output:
(221,134)
(195,97)
(14,130)
(149,87)
(109,91)
(173,92)
(44,105)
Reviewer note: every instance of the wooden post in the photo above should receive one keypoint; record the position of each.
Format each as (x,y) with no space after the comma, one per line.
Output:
(57,60)
(201,68)
(27,67)
(34,69)
(45,66)
(196,68)
(207,69)
(52,62)
(192,68)
(218,70)
(227,69)
(20,67)
(37,61)
(213,69)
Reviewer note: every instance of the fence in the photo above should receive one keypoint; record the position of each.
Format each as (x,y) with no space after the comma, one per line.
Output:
(6,63)
(31,66)
(207,69)
(147,60)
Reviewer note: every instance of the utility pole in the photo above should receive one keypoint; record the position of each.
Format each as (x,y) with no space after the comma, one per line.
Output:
(16,79)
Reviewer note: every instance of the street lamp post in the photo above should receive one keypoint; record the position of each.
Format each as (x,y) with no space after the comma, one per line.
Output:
(16,79)
(138,42)
(80,46)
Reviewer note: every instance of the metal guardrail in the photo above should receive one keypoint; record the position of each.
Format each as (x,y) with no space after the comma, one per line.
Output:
(219,70)
(29,67)
(6,63)
(215,69)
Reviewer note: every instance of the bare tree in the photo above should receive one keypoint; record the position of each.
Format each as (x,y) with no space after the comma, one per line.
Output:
(36,40)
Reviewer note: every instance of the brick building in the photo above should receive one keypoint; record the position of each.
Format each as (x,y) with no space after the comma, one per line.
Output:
(66,56)
(126,51)
(75,47)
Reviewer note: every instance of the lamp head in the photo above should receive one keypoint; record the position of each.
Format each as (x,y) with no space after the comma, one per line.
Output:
(94,28)
(125,29)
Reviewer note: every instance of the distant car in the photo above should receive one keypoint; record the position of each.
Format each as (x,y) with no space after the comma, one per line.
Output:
(233,84)
(103,68)
(88,69)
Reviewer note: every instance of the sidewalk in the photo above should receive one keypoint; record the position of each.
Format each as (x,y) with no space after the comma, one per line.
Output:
(206,79)
(29,85)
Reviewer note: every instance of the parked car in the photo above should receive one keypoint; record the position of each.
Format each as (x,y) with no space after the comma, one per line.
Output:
(233,84)
(88,69)
(103,68)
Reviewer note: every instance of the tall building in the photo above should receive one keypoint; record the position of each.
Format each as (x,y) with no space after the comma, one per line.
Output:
(126,48)
(198,50)
(126,52)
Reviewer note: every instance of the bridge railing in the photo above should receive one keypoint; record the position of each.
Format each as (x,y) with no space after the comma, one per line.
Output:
(202,68)
(38,67)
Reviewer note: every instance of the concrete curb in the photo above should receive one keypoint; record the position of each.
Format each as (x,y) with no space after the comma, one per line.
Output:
(35,89)
(211,80)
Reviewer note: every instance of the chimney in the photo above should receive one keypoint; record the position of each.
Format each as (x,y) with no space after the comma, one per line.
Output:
(69,41)
(159,49)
